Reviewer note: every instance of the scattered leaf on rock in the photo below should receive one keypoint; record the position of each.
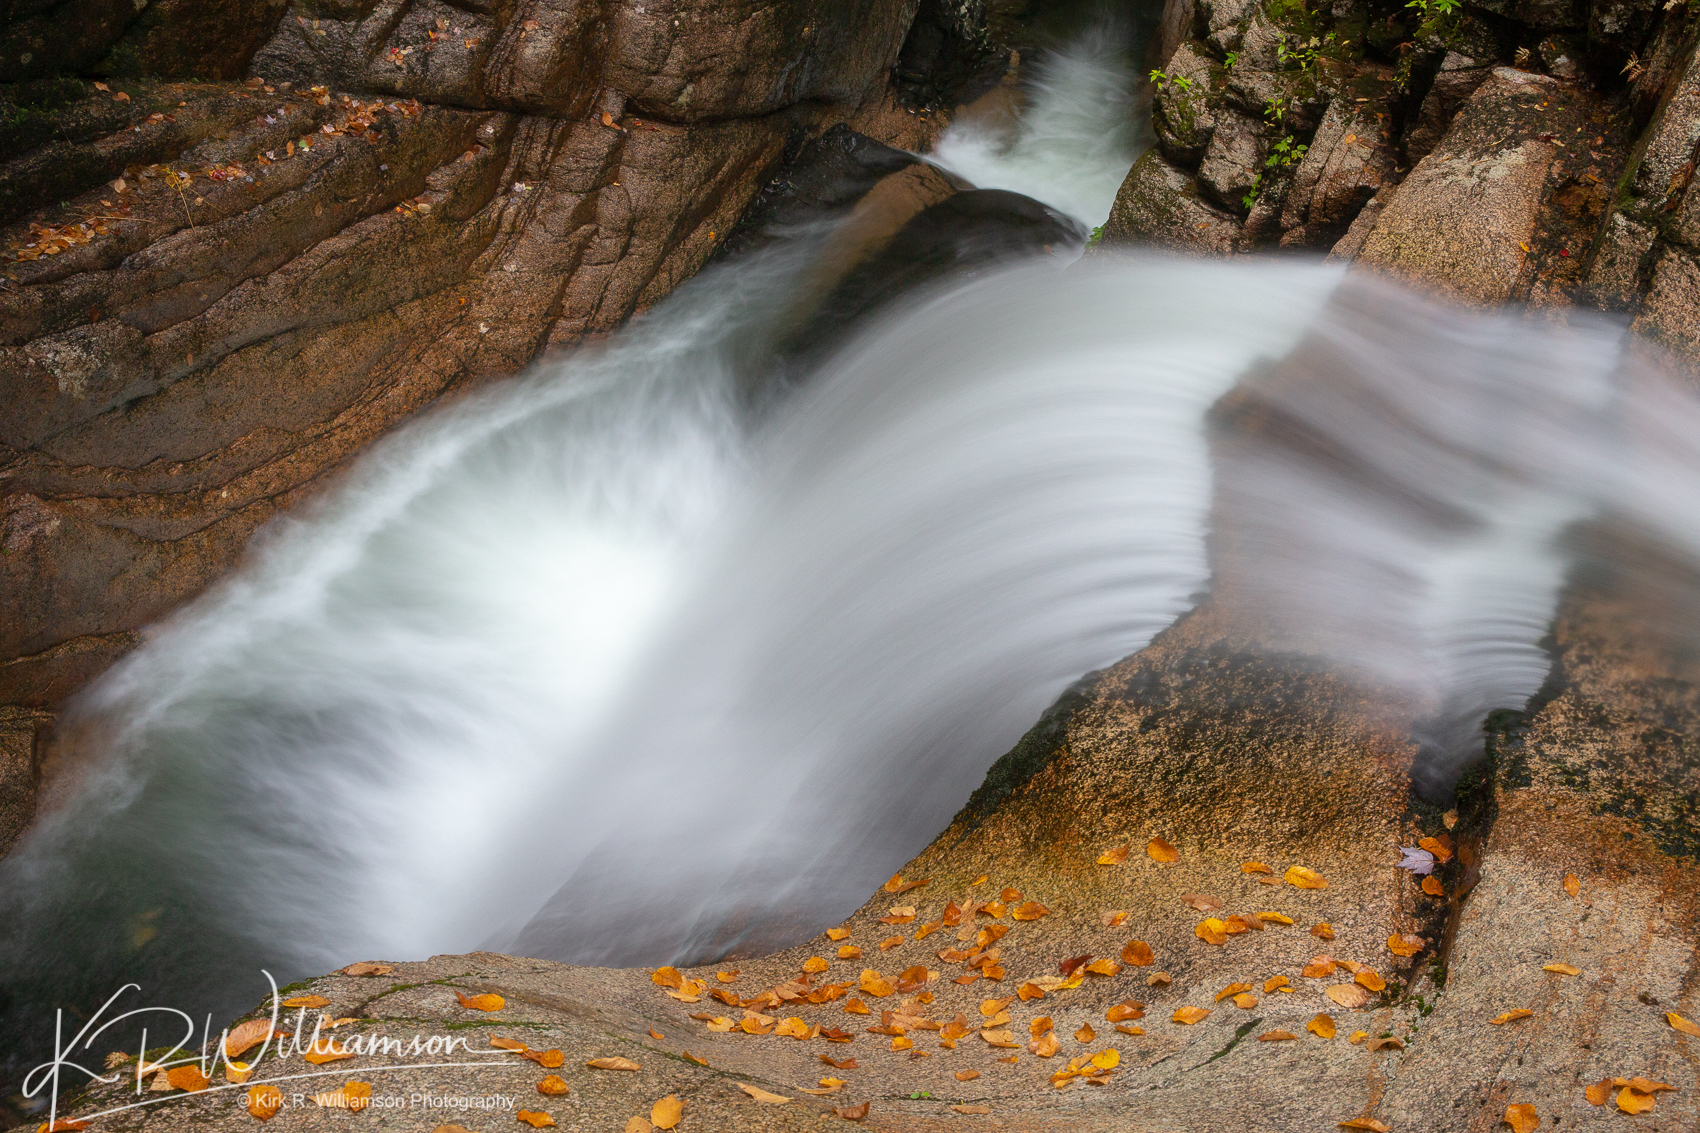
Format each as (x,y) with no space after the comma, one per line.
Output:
(554,1085)
(1103,967)
(1139,954)
(1044,1044)
(1322,1026)
(1085,1034)
(1031,911)
(1357,1037)
(535,1118)
(264,1101)
(762,1095)
(1254,867)
(327,1051)
(1030,990)
(1369,1123)
(501,1043)
(244,1036)
(971,1109)
(1277,1037)
(1273,982)
(1303,877)
(665,1113)
(548,1059)
(1572,886)
(1189,1015)
(1125,1010)
(1113,918)
(309,1001)
(1631,1100)
(814,965)
(1599,1093)
(1686,1026)
(1245,1001)
(837,933)
(1371,980)
(1278,918)
(1161,851)
(1107,1059)
(693,1058)
(1388,1043)
(1156,979)
(1348,995)
(1522,1118)
(635,1124)
(1514,1013)
(1323,930)
(1562,969)
(1114,856)
(485,1002)
(1404,944)
(615,1063)
(851,1112)
(1203,902)
(1318,968)
(667,977)
(1440,847)
(1212,931)
(1231,989)
(1433,887)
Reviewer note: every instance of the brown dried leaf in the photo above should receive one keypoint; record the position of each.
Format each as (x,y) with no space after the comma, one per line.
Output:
(1254,867)
(1348,995)
(1161,851)
(1369,1123)
(889,943)
(615,1063)
(762,1095)
(851,1112)
(1139,954)
(1029,911)
(1277,1037)
(1030,990)
(1045,1045)
(310,1001)
(1323,931)
(548,1059)
(1156,979)
(1433,887)
(1114,856)
(1203,902)
(1440,847)
(1385,1044)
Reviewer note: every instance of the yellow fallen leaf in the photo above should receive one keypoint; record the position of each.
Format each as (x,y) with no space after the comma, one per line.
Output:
(1156,979)
(1107,1059)
(1514,1013)
(1348,995)
(1277,1037)
(1323,930)
(1189,1015)
(1357,1037)
(1125,1010)
(1114,856)
(1103,967)
(536,1118)
(837,933)
(1645,1086)
(1433,887)
(1322,1026)
(762,1095)
(1562,969)
(548,1059)
(1369,1123)
(1245,1001)
(1522,1118)
(1404,944)
(1686,1026)
(1045,1044)
(327,1051)
(1001,1039)
(1139,954)
(1630,1100)
(1231,989)
(1273,982)
(665,1113)
(728,977)
(263,1102)
(902,1042)
(1030,911)
(633,1125)
(485,1002)
(814,965)
(1254,867)
(1161,851)
(1278,918)
(1212,931)
(1572,886)
(667,977)
(1303,877)
(1371,980)
(309,1001)
(615,1063)
(554,1085)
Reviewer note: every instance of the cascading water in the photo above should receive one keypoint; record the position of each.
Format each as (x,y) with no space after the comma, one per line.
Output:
(599,665)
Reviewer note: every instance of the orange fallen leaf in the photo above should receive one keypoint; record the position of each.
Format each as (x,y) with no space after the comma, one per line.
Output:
(1440,847)
(1643,1085)
(1514,1013)
(1254,867)
(1371,980)
(485,1002)
(1044,1044)
(814,965)
(327,1051)
(1104,967)
(1114,856)
(851,1112)
(1348,995)
(1599,1093)
(1323,930)
(693,1058)
(309,1001)
(1245,1001)
(967,1075)
(1231,989)
(667,977)
(1303,877)
(1189,1015)
(1029,911)
(1212,931)
(890,942)
(1522,1118)
(1369,1123)
(633,1125)
(244,1036)
(1278,918)
(728,977)
(1405,944)
(1274,982)
(1686,1026)
(535,1118)
(263,1102)
(554,1085)
(1001,1039)
(856,1007)
(1125,1010)
(849,952)
(1277,1037)
(1235,925)
(656,1035)
(991,1007)
(1030,990)
(1322,1026)
(1085,1034)
(1630,1100)
(615,1063)
(1562,969)
(1319,967)
(1572,886)
(1139,954)
(1161,851)
(1433,887)
(548,1059)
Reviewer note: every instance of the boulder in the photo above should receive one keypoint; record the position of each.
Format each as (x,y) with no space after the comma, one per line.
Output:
(1350,159)
(1159,205)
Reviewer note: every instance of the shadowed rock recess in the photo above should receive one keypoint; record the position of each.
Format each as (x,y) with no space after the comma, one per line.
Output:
(238,242)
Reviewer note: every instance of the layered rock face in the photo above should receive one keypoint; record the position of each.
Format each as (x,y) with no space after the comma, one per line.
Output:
(242,242)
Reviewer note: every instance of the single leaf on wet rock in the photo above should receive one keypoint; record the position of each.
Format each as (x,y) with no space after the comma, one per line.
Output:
(1686,1026)
(1139,954)
(535,1118)
(1599,1093)
(851,1112)
(1514,1013)
(1322,1026)
(554,1085)
(696,1059)
(967,1075)
(1522,1118)
(665,1114)
(1230,990)
(1040,1025)
(856,1007)
(1572,886)
(656,1035)
(1158,979)
(1254,867)
(1212,931)
(1203,902)
(1277,1037)
(1303,877)
(1107,1059)
(836,934)
(762,1095)
(1357,1037)
(1440,847)
(839,1063)
(849,952)
(1562,969)
(1044,1045)
(1003,1040)
(1029,911)
(1125,1010)
(1030,990)
(1369,1123)
(263,1102)
(1433,887)
(1348,995)
(1189,1015)
(1245,1001)
(1114,856)
(1323,930)
(1405,944)
(634,1124)
(1319,967)
(615,1063)
(1161,851)
(309,1001)
(485,1002)
(1113,918)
